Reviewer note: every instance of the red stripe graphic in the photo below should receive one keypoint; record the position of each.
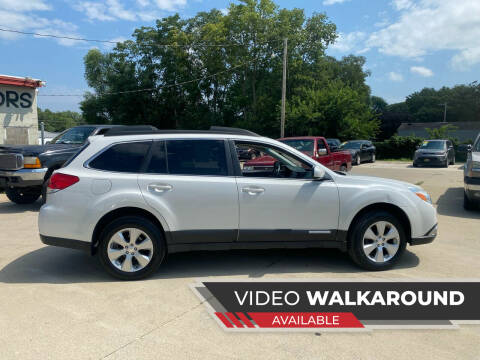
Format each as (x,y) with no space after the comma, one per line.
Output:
(224,320)
(305,320)
(234,320)
(245,320)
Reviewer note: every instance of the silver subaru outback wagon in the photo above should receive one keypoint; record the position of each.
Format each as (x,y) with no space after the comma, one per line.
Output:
(133,195)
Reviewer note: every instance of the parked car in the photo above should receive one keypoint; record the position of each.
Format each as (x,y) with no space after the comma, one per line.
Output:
(435,152)
(334,144)
(314,146)
(361,150)
(24,169)
(472,177)
(133,198)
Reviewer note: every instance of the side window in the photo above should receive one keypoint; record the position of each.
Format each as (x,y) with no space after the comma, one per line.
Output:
(321,145)
(124,157)
(272,162)
(158,161)
(197,157)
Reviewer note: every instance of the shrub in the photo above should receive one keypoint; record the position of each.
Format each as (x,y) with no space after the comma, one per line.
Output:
(397,147)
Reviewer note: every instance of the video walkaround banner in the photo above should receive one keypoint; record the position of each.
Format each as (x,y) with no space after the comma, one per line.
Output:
(341,305)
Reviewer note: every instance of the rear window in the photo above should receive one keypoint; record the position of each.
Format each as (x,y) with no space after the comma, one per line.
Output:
(69,161)
(124,157)
(196,157)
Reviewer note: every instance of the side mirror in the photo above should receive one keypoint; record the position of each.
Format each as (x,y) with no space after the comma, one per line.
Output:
(333,148)
(322,152)
(318,173)
(469,148)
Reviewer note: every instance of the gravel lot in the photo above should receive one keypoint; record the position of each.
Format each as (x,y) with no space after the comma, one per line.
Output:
(58,303)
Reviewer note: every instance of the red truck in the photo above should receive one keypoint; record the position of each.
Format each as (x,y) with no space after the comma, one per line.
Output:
(314,146)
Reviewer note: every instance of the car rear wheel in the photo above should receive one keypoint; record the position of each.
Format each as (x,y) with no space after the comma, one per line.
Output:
(377,241)
(131,248)
(373,158)
(23,195)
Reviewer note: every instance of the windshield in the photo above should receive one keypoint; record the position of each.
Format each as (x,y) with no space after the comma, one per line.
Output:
(351,145)
(476,146)
(433,145)
(305,146)
(76,135)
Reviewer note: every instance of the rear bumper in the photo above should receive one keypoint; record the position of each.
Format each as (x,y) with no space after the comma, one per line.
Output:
(66,243)
(427,238)
(22,177)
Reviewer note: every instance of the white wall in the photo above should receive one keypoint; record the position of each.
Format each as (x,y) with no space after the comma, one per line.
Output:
(18,109)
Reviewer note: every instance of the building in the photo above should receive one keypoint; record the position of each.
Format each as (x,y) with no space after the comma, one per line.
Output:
(18,110)
(464,130)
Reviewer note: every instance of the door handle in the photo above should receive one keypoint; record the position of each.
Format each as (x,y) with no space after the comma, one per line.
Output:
(159,188)
(253,190)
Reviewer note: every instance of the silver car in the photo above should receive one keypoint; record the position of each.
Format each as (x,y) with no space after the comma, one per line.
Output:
(472,177)
(133,196)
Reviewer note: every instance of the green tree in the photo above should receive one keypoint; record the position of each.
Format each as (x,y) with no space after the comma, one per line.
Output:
(226,70)
(440,133)
(59,121)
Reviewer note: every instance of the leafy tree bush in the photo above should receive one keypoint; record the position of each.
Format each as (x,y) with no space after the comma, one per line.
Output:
(398,147)
(240,83)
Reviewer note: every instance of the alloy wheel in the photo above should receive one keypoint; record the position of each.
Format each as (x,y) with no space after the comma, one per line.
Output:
(130,250)
(381,241)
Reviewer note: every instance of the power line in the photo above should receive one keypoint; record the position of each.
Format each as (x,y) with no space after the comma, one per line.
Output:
(3,29)
(150,89)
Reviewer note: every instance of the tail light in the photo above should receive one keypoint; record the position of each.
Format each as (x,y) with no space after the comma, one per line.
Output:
(59,181)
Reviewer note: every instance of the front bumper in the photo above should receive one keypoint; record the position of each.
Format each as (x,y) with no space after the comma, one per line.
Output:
(430,160)
(429,236)
(22,177)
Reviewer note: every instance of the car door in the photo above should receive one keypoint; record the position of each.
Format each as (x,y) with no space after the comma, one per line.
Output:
(288,206)
(321,154)
(189,182)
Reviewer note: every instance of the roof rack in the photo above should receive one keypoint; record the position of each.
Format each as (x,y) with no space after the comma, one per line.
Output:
(147,129)
(130,130)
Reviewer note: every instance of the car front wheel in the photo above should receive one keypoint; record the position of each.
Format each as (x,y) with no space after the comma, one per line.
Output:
(131,248)
(377,241)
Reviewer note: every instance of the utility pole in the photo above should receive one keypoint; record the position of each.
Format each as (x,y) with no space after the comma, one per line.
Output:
(42,130)
(284,88)
(445,113)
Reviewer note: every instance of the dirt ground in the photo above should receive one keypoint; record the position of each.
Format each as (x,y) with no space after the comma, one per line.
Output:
(58,303)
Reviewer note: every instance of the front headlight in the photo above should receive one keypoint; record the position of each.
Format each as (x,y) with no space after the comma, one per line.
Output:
(422,194)
(31,162)
(248,168)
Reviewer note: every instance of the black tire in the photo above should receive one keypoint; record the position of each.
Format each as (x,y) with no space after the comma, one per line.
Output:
(467,203)
(357,232)
(453,161)
(23,195)
(446,163)
(357,160)
(373,158)
(145,225)
(415,165)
